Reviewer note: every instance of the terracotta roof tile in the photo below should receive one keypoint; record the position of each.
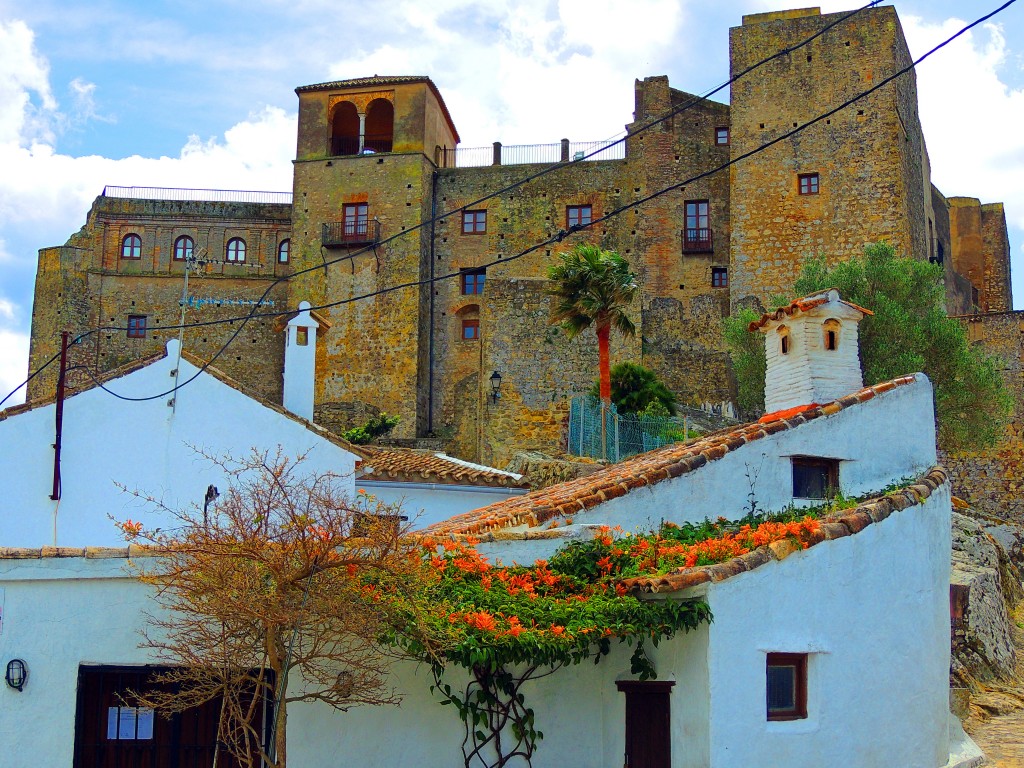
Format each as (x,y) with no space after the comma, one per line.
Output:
(847,523)
(804,304)
(410,465)
(647,469)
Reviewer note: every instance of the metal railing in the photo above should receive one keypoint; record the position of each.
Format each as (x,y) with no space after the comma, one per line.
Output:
(522,154)
(601,432)
(697,240)
(199,195)
(370,145)
(348,233)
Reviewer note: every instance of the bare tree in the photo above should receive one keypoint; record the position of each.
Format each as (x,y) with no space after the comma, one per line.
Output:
(282,593)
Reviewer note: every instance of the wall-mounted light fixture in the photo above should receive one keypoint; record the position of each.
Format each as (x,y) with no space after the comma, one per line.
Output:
(495,386)
(17,674)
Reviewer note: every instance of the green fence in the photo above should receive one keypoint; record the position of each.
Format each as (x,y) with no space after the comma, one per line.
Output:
(600,432)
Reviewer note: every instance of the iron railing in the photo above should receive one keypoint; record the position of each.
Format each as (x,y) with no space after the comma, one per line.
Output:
(199,195)
(521,154)
(349,233)
(370,145)
(697,240)
(601,432)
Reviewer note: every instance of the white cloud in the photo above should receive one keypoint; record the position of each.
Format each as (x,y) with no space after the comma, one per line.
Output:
(13,364)
(23,73)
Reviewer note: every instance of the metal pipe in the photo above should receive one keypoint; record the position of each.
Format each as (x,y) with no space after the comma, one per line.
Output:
(55,495)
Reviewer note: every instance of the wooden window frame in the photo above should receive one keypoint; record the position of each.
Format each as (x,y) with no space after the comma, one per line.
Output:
(136,328)
(831,472)
(470,324)
(131,246)
(808,183)
(284,251)
(719,277)
(474,222)
(798,661)
(179,242)
(578,215)
(355,218)
(469,284)
(235,255)
(719,133)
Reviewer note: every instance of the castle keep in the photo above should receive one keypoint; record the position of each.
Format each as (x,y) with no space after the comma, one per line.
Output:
(378,162)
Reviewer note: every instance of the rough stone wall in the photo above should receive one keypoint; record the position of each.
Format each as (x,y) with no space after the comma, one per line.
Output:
(86,285)
(993,481)
(869,157)
(981,251)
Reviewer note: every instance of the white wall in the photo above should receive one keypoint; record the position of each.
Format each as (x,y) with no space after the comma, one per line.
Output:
(872,610)
(428,503)
(143,445)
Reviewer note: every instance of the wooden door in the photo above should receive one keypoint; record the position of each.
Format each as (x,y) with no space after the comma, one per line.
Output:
(648,724)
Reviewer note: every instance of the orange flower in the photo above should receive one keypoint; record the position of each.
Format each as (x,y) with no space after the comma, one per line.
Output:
(557,630)
(482,620)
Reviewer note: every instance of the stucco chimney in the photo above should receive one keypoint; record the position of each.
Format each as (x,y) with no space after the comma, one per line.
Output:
(811,351)
(300,362)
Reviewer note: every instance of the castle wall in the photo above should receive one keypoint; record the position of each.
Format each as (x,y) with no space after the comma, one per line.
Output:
(993,481)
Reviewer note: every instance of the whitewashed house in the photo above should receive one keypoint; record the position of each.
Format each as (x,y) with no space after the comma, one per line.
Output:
(854,630)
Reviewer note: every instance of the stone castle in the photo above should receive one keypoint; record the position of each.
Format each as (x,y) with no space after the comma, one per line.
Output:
(392,234)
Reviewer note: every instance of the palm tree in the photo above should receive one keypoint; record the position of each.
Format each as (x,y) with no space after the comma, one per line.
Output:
(594,287)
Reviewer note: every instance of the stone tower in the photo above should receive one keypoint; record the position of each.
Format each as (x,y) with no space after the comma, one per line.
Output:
(364,170)
(856,177)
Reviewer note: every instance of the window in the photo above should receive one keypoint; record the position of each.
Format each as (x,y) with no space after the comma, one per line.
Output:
(136,326)
(183,248)
(355,220)
(697,235)
(472,281)
(722,135)
(131,247)
(787,686)
(815,478)
(284,251)
(808,183)
(236,250)
(474,222)
(719,277)
(470,329)
(830,334)
(783,339)
(578,215)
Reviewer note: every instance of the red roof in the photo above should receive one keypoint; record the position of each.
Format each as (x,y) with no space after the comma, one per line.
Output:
(796,306)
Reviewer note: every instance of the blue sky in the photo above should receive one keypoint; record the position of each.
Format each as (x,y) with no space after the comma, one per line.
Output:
(201,94)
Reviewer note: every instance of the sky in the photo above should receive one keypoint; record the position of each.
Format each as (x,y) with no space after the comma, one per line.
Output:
(201,94)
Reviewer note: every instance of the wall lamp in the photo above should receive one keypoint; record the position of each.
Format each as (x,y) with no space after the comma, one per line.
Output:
(495,386)
(17,674)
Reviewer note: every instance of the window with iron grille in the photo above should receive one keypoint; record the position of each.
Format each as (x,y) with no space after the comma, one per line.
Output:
(235,251)
(697,234)
(787,686)
(355,219)
(131,247)
(808,183)
(472,281)
(136,326)
(578,215)
(474,222)
(184,246)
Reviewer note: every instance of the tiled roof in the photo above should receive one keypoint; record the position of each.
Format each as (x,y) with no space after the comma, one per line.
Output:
(647,469)
(804,304)
(409,465)
(383,82)
(847,523)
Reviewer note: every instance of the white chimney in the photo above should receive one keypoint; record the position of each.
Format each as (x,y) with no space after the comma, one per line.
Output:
(300,362)
(811,351)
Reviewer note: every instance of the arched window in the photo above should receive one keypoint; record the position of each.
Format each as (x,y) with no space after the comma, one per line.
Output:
(469,322)
(380,126)
(830,331)
(236,250)
(784,340)
(345,129)
(284,251)
(131,247)
(183,248)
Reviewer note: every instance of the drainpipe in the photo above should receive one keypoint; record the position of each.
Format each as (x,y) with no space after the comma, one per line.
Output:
(55,495)
(430,347)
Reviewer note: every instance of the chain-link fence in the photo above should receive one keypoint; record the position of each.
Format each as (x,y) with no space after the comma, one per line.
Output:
(601,432)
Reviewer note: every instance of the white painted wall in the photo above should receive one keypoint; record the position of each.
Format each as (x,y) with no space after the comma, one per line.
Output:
(428,503)
(143,445)
(872,609)
(300,363)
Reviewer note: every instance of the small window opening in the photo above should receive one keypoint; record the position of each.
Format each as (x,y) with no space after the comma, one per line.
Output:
(470,329)
(784,340)
(302,336)
(831,330)
(136,326)
(815,478)
(787,686)
(722,135)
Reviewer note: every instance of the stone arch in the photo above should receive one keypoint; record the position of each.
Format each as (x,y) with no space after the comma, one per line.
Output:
(344,129)
(830,334)
(380,125)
